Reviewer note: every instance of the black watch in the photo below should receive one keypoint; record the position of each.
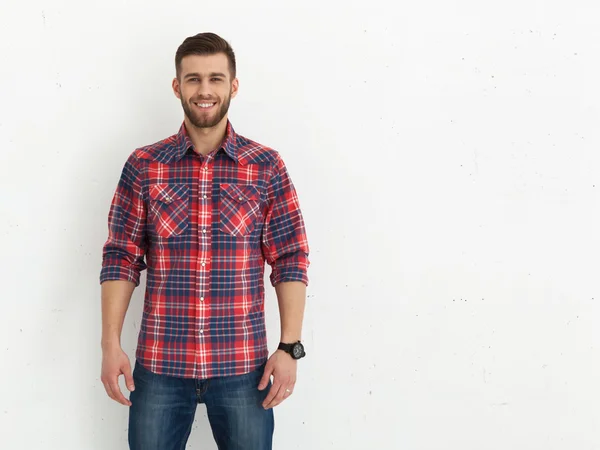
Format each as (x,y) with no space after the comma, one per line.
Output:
(296,350)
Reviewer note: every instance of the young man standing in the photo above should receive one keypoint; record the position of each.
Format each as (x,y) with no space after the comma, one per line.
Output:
(202,211)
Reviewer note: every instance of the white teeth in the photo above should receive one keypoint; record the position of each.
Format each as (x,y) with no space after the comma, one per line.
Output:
(204,105)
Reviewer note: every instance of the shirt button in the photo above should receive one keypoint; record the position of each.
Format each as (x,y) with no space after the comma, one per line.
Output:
(206,169)
(204,230)
(205,196)
(201,299)
(203,264)
(201,331)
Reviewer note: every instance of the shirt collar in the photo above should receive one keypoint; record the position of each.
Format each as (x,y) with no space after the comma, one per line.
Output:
(182,143)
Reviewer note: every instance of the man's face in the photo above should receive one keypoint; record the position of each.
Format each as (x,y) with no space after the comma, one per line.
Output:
(205,88)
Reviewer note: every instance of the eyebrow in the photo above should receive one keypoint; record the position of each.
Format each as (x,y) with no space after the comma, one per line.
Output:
(210,75)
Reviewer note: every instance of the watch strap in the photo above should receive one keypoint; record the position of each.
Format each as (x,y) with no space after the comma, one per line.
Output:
(286,347)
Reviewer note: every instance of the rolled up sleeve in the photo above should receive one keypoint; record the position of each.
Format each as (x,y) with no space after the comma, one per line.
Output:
(284,242)
(124,251)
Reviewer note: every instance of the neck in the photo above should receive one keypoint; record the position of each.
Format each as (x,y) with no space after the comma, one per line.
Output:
(206,140)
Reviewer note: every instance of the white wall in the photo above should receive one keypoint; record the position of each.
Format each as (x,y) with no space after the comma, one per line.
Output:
(446,157)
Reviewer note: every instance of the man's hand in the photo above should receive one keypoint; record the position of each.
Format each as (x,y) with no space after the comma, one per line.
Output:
(283,368)
(114,363)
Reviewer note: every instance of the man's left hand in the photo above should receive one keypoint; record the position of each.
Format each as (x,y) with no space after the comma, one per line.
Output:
(283,368)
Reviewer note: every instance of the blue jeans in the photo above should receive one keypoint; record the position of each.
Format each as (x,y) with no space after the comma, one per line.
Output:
(163,408)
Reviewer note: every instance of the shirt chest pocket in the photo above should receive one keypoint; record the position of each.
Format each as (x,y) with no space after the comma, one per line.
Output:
(169,209)
(239,209)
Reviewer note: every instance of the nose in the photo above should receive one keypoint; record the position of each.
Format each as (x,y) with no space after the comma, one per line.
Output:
(204,89)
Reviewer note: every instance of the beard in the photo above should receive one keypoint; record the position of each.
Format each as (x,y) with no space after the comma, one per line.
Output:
(204,120)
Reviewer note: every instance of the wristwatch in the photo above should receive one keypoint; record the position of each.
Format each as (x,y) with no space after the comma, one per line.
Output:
(296,350)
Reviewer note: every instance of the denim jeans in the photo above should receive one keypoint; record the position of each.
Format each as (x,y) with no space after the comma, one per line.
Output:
(163,408)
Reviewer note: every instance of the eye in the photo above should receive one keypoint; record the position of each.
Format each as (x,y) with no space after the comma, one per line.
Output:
(216,79)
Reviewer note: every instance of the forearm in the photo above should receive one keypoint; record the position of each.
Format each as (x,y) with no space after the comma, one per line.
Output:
(291,296)
(116,295)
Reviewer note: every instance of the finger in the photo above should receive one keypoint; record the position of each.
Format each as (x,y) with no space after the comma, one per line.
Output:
(118,394)
(129,378)
(277,399)
(109,390)
(272,393)
(264,381)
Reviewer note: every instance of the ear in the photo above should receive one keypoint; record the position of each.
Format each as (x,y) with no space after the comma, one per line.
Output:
(235,85)
(176,88)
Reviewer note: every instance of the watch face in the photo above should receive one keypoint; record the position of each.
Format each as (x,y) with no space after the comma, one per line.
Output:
(298,350)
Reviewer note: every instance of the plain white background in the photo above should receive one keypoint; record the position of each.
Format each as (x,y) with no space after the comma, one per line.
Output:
(446,158)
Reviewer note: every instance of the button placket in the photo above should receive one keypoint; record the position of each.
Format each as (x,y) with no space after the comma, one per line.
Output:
(204,247)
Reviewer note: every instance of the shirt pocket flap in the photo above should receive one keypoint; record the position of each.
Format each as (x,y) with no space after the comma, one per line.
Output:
(240,193)
(167,193)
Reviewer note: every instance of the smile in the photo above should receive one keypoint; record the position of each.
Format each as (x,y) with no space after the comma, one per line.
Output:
(205,105)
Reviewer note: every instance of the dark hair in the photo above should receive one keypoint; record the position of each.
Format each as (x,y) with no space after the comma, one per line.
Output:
(205,44)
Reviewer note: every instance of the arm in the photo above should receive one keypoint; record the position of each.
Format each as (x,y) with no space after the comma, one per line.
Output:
(286,250)
(122,263)
(116,295)
(291,296)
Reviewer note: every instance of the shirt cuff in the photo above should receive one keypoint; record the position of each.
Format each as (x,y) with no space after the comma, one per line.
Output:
(292,268)
(117,272)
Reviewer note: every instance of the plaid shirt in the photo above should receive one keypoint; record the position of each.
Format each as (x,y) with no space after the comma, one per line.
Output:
(203,227)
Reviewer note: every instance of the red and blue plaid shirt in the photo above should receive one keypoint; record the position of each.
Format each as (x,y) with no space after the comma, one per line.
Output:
(203,227)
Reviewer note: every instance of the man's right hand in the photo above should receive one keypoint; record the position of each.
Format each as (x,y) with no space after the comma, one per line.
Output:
(114,363)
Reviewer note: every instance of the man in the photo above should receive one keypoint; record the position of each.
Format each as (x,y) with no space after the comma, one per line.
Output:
(203,210)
